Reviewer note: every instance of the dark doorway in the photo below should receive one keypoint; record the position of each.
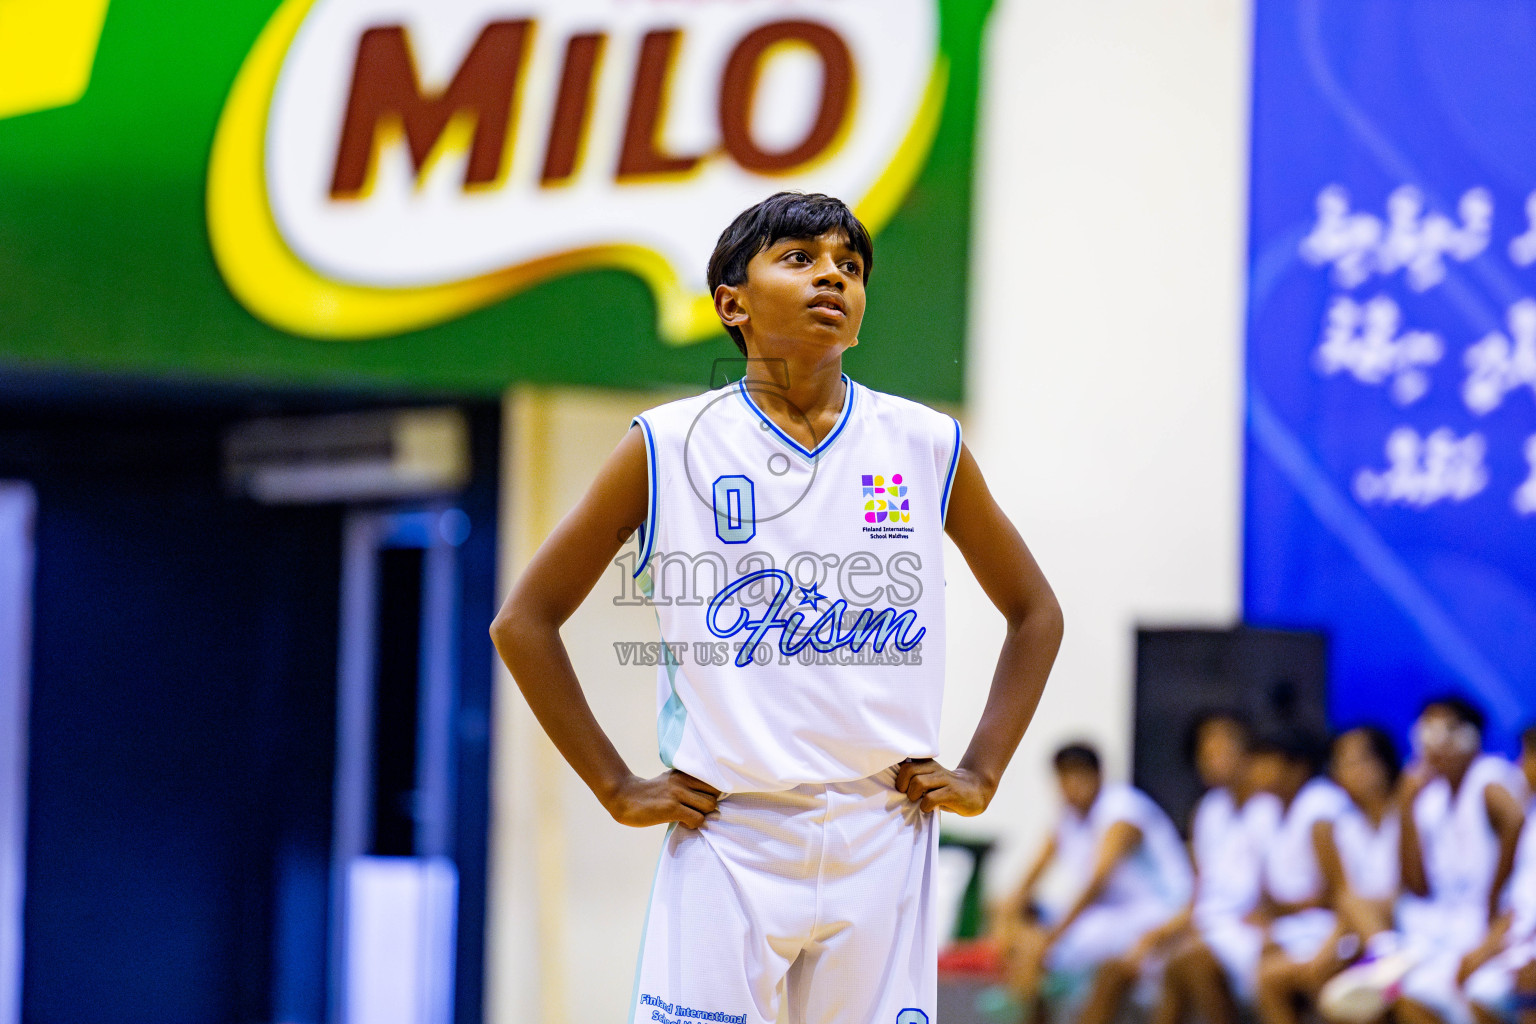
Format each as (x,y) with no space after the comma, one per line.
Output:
(183,717)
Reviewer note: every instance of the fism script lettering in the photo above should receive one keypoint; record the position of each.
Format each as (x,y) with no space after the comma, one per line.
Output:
(382,167)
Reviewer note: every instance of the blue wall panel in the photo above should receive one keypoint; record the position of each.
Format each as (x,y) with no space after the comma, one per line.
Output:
(1391,373)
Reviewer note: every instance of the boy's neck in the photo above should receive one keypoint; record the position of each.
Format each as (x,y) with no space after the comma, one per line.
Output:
(1457,774)
(1241,791)
(798,394)
(1375,806)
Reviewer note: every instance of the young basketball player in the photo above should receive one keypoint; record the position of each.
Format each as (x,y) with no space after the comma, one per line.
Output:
(1131,876)
(800,746)
(1466,811)
(1226,872)
(1209,969)
(1356,848)
(1289,918)
(1503,989)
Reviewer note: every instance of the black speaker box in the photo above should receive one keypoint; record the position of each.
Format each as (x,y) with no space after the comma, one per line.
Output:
(1276,679)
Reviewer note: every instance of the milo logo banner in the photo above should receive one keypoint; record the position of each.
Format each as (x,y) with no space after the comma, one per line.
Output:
(454,194)
(1391,469)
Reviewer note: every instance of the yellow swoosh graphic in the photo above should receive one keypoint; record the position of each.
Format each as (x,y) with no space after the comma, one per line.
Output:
(47,50)
(280,289)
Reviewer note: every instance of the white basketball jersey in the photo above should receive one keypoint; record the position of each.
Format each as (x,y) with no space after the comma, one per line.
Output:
(1458,845)
(800,592)
(1521,895)
(1229,844)
(1291,871)
(1369,852)
(1156,871)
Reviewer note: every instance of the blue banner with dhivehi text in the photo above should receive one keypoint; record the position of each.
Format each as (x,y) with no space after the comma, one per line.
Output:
(1391,374)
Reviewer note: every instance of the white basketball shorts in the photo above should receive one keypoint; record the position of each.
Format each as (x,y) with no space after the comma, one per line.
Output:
(819,896)
(1440,933)
(1492,986)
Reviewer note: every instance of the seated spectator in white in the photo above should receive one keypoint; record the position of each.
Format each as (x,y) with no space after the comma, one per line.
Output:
(1133,875)
(1365,764)
(1226,863)
(1299,945)
(1233,824)
(1355,847)
(1458,852)
(1291,916)
(1504,988)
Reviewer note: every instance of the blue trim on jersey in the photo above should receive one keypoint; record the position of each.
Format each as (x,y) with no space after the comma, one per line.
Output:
(674,713)
(826,442)
(647,528)
(949,478)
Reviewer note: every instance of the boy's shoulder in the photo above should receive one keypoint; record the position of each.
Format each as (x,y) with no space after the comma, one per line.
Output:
(685,408)
(897,405)
(893,416)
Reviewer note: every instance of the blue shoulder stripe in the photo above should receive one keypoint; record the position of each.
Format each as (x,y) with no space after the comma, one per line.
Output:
(647,528)
(949,477)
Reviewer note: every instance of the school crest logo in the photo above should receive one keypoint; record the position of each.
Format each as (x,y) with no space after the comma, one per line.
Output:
(885,499)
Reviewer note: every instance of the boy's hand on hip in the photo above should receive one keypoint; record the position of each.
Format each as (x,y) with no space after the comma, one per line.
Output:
(935,788)
(670,796)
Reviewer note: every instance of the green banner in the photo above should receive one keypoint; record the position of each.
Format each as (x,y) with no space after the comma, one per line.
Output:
(452,195)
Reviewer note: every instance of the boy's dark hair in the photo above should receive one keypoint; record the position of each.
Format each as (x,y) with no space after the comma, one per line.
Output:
(782,215)
(1295,745)
(1528,737)
(1076,755)
(1210,716)
(1382,747)
(1463,709)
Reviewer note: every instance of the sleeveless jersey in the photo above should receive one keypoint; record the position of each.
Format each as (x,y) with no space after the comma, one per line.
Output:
(1157,871)
(1458,845)
(1229,843)
(1291,872)
(1369,852)
(799,592)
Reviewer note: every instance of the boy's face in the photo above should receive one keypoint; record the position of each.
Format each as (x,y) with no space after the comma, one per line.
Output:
(1267,771)
(1356,769)
(1221,752)
(1444,741)
(1079,787)
(1528,765)
(798,291)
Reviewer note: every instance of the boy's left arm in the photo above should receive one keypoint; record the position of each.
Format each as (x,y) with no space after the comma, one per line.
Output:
(1014,583)
(1507,818)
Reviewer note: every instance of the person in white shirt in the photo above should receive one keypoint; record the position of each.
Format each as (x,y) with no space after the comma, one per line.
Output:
(1301,929)
(1132,875)
(1458,852)
(1287,909)
(1367,835)
(1226,851)
(1232,826)
(1354,845)
(1503,989)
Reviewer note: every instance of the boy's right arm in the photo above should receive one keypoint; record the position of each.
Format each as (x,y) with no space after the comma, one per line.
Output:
(1120,840)
(527,636)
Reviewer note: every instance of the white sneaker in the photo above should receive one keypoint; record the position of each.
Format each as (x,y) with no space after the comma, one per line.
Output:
(1365,991)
